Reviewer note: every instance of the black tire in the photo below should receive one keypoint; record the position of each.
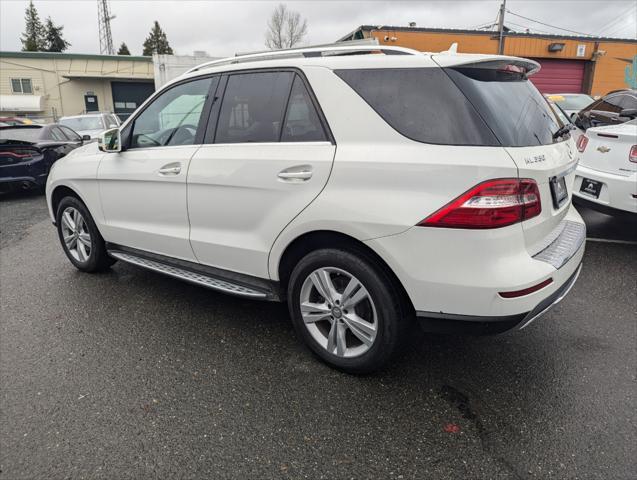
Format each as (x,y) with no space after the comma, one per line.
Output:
(97,259)
(392,315)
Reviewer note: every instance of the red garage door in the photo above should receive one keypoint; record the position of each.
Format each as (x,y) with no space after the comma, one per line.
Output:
(559,76)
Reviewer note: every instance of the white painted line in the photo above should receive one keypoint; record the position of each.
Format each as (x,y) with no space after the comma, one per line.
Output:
(607,240)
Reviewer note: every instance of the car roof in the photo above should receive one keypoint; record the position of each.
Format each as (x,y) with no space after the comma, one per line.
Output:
(369,58)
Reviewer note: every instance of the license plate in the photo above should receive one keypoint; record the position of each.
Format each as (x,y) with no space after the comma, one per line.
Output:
(558,191)
(591,187)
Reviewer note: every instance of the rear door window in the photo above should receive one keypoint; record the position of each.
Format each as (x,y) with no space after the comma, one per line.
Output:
(422,104)
(302,123)
(253,107)
(628,101)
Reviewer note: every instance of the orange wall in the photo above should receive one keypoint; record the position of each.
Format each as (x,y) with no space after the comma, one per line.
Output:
(610,68)
(608,72)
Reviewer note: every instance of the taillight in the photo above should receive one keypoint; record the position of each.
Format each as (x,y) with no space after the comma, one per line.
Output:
(582,141)
(491,204)
(632,155)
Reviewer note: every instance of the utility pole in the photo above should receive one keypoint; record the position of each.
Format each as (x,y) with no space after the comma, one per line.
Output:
(501,27)
(104,18)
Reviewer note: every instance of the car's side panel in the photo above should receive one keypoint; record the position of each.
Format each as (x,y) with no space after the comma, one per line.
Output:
(238,204)
(143,207)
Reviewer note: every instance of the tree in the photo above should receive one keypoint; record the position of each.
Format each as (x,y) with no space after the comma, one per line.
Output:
(123,49)
(156,42)
(286,28)
(33,38)
(53,37)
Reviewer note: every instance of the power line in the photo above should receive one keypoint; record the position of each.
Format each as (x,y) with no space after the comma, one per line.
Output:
(549,25)
(617,20)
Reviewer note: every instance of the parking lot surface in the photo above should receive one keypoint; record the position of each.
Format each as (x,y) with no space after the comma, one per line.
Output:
(130,374)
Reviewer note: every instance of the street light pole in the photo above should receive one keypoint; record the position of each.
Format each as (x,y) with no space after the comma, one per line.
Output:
(501,28)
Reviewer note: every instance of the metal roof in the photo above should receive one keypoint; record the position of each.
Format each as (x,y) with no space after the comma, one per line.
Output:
(73,56)
(509,33)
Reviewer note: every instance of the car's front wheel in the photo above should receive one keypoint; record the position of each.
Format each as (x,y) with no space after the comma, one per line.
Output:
(80,238)
(347,310)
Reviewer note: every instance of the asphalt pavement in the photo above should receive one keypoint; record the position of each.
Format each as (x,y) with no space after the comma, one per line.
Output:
(132,375)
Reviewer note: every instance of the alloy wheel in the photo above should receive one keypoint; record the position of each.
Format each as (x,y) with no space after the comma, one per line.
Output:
(339,312)
(77,239)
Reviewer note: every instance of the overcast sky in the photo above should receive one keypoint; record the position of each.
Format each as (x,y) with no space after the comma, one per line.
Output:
(222,28)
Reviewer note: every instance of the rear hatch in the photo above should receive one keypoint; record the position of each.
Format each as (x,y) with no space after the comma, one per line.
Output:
(527,128)
(608,149)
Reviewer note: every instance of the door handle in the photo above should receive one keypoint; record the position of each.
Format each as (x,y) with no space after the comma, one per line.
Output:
(300,173)
(170,169)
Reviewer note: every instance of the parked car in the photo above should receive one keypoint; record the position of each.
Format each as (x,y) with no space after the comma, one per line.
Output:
(571,103)
(91,124)
(606,176)
(608,110)
(337,179)
(28,151)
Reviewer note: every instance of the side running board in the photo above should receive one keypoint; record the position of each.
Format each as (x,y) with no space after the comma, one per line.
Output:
(197,277)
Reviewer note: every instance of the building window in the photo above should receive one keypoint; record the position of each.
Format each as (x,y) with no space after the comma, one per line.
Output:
(21,85)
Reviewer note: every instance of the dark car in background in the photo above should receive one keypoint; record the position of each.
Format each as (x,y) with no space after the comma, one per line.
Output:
(28,151)
(612,109)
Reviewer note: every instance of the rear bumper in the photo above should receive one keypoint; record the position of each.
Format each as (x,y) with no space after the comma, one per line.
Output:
(446,323)
(8,184)
(24,175)
(454,277)
(616,193)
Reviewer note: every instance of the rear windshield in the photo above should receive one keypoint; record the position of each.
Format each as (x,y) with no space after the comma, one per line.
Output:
(457,106)
(510,104)
(83,123)
(20,134)
(572,102)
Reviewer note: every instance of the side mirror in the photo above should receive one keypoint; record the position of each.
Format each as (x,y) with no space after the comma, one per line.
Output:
(112,125)
(86,138)
(573,116)
(110,141)
(628,113)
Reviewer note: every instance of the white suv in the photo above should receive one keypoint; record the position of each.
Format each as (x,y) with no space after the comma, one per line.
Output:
(369,187)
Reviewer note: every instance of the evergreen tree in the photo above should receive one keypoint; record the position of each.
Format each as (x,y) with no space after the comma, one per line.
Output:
(156,42)
(123,49)
(53,37)
(33,38)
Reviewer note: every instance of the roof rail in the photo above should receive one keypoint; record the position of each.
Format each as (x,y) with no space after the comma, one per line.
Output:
(316,51)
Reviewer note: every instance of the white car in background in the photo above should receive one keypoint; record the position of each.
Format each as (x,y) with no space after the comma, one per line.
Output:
(571,103)
(367,190)
(91,124)
(606,176)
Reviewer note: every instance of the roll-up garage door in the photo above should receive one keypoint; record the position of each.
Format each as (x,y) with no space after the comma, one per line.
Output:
(559,76)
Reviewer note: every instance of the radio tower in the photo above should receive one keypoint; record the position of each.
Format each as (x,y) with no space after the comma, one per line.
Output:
(104,21)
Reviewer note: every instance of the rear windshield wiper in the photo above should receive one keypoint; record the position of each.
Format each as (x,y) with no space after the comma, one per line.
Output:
(562,131)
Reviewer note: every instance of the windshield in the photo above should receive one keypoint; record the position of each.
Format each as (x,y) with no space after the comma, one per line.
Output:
(20,134)
(572,102)
(510,104)
(83,123)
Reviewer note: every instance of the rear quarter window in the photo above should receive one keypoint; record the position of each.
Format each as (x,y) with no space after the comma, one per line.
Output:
(422,104)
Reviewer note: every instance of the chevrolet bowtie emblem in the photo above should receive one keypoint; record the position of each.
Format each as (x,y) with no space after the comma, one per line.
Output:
(603,149)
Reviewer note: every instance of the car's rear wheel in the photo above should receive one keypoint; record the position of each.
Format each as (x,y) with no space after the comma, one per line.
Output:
(347,310)
(80,238)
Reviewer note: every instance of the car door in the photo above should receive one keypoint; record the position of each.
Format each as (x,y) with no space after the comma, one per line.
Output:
(143,188)
(268,154)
